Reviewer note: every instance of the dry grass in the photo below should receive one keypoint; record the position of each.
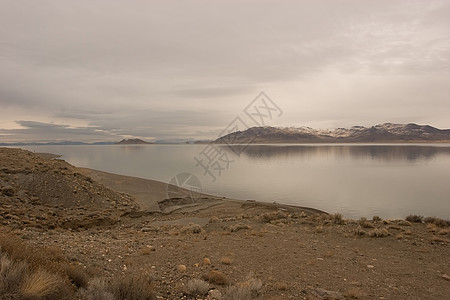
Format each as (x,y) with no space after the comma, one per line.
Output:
(236,227)
(359,231)
(197,287)
(403,223)
(19,281)
(337,219)
(77,275)
(363,222)
(414,218)
(376,219)
(378,232)
(247,290)
(31,272)
(226,260)
(437,221)
(217,277)
(97,289)
(272,216)
(192,229)
(132,288)
(40,284)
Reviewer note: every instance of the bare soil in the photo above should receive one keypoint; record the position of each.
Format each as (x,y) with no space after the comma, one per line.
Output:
(106,224)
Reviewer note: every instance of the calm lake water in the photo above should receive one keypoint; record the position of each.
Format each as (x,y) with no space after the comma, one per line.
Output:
(390,181)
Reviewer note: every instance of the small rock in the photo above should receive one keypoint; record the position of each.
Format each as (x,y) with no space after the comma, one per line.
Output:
(370,266)
(181,268)
(206,261)
(446,277)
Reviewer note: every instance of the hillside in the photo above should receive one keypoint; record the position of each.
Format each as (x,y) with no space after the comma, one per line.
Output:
(382,133)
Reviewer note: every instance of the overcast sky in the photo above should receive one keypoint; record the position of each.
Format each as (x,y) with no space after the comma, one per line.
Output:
(103,70)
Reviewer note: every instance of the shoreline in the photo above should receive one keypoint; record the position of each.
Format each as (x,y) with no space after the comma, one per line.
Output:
(140,189)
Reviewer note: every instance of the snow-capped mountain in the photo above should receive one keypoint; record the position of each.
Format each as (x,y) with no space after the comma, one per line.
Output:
(382,133)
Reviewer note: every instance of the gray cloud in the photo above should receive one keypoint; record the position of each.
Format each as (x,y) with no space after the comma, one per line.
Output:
(187,68)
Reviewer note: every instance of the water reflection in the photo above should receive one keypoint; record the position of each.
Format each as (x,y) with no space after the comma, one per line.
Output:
(375,152)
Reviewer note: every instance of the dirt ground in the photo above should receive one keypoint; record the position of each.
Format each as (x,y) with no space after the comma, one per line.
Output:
(100,222)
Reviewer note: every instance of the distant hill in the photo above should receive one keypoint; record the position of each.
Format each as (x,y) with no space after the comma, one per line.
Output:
(132,142)
(382,133)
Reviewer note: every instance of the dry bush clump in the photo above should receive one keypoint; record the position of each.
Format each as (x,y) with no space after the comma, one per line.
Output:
(132,288)
(337,219)
(216,277)
(192,229)
(378,232)
(437,221)
(376,219)
(403,223)
(236,227)
(39,284)
(272,216)
(18,280)
(226,260)
(197,287)
(359,231)
(363,222)
(77,275)
(32,272)
(414,218)
(97,289)
(247,290)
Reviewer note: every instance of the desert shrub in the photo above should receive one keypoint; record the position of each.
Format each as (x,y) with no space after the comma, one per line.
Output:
(12,274)
(414,218)
(97,289)
(437,221)
(359,231)
(132,288)
(197,287)
(216,277)
(19,281)
(77,275)
(272,216)
(39,270)
(250,289)
(378,232)
(192,229)
(403,223)
(40,284)
(226,260)
(363,222)
(337,219)
(236,227)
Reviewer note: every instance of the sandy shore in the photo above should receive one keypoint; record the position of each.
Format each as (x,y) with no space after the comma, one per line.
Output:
(148,193)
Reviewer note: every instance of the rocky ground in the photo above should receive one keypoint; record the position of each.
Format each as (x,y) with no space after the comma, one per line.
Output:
(218,248)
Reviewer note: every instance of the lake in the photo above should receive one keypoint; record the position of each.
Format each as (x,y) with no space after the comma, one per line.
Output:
(390,181)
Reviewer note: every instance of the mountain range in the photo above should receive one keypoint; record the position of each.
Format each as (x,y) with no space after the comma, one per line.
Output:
(382,133)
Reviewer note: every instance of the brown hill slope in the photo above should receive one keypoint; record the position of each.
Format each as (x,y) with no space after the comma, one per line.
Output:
(52,192)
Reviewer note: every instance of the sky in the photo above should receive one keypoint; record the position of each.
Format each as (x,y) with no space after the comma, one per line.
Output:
(103,70)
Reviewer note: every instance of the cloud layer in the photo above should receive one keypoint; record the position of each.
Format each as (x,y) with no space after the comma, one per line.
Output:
(103,70)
